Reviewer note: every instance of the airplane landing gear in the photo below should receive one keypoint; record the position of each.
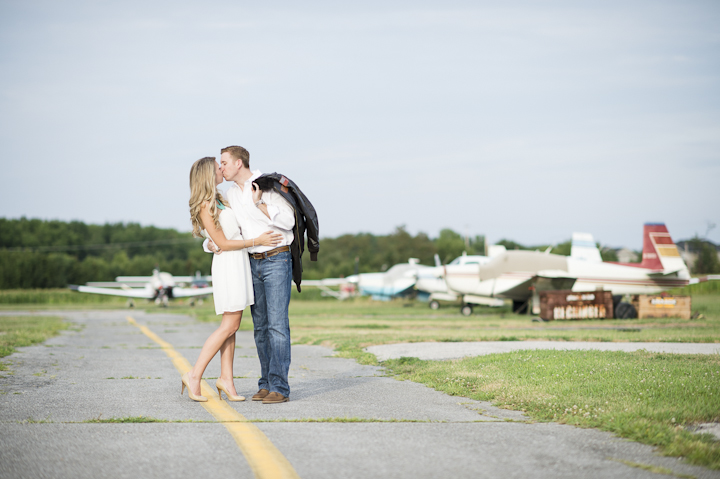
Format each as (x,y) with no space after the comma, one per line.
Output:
(466,310)
(130,303)
(434,305)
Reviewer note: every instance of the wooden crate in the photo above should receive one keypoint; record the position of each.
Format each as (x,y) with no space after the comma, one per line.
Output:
(662,306)
(567,304)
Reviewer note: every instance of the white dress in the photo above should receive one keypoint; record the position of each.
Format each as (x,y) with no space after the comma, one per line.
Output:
(231,275)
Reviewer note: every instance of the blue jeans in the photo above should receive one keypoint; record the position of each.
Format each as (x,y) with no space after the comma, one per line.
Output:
(272,280)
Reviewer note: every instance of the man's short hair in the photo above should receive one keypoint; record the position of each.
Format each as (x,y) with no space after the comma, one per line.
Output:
(239,153)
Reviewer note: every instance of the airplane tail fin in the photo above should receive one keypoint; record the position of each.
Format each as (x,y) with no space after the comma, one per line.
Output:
(584,248)
(659,250)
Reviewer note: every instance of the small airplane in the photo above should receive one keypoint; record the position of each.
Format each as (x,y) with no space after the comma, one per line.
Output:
(160,287)
(432,287)
(398,281)
(521,275)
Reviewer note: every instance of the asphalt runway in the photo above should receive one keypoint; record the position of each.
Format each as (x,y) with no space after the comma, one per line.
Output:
(110,367)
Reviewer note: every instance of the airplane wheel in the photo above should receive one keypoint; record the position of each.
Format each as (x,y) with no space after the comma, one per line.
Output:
(192,303)
(200,301)
(130,303)
(165,301)
(434,305)
(466,310)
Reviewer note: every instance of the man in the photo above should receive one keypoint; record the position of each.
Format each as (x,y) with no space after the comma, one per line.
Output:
(258,212)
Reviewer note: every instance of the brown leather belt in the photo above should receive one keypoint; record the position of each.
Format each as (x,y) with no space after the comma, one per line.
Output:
(272,252)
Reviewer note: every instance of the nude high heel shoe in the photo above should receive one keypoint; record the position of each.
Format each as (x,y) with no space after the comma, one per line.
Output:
(221,387)
(190,393)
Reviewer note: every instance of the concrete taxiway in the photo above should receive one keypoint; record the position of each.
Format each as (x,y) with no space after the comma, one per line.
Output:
(343,419)
(440,351)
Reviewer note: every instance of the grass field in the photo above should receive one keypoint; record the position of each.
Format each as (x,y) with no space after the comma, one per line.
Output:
(652,398)
(19,331)
(23,299)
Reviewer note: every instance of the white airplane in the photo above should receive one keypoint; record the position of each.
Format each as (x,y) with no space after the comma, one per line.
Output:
(520,275)
(160,287)
(431,284)
(398,281)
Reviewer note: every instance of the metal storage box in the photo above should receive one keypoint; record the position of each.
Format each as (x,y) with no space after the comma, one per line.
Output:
(567,304)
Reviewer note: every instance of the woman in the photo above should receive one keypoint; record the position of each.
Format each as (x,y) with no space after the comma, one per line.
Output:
(212,217)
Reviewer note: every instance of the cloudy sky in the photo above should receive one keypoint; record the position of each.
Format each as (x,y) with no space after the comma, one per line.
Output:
(521,120)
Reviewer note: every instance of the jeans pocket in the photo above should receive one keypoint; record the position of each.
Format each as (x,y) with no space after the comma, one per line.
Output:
(280,258)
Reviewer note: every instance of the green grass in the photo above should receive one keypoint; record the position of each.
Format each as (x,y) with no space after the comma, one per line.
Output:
(19,331)
(707,287)
(642,396)
(56,297)
(63,298)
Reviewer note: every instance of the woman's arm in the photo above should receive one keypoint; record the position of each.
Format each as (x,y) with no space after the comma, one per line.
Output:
(218,237)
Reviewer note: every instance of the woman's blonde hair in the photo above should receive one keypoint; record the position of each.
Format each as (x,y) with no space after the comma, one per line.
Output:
(203,190)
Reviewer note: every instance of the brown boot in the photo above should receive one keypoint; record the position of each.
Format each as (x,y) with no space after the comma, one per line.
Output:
(260,395)
(274,398)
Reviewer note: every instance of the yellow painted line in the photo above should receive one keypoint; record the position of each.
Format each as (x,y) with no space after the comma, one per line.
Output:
(263,457)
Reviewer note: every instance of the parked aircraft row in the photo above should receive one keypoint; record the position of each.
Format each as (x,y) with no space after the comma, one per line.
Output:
(520,275)
(516,275)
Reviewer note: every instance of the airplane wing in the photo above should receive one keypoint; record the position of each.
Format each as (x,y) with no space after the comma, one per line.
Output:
(553,280)
(325,282)
(107,284)
(128,293)
(547,280)
(190,292)
(133,279)
(190,279)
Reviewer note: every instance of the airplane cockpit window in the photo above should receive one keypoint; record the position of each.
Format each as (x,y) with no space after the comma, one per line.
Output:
(455,261)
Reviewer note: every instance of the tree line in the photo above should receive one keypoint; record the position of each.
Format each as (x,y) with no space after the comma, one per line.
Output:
(38,253)
(52,254)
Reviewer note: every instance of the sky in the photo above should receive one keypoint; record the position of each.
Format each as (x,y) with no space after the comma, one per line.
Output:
(523,120)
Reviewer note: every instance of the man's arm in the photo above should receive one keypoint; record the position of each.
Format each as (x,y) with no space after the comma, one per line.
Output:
(280,213)
(210,247)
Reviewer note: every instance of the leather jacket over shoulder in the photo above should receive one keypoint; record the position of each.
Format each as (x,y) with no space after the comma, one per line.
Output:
(306,220)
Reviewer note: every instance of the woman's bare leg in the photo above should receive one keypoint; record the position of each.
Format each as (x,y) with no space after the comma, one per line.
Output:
(227,357)
(229,325)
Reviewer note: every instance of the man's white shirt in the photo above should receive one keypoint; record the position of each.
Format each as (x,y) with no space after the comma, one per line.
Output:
(253,221)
